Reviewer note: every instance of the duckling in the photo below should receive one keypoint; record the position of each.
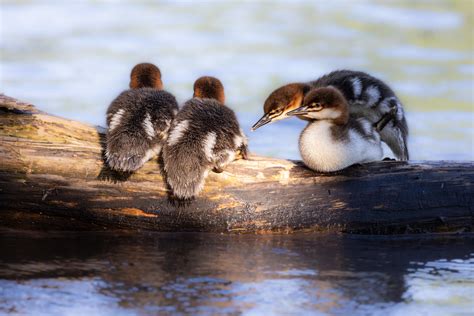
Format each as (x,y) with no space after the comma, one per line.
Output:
(204,136)
(367,97)
(138,120)
(333,140)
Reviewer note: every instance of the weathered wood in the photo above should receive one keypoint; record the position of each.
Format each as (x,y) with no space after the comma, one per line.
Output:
(52,177)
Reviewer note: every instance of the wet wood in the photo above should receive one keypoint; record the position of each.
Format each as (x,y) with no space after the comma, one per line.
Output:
(52,177)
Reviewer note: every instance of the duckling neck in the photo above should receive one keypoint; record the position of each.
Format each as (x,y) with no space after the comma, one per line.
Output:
(208,94)
(342,120)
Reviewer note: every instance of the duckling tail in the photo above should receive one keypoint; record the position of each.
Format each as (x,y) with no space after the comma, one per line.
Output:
(185,171)
(127,152)
(396,138)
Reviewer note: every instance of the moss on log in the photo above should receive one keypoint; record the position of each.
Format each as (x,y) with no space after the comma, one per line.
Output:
(52,177)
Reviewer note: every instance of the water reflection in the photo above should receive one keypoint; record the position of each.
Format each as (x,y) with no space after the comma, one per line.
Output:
(205,273)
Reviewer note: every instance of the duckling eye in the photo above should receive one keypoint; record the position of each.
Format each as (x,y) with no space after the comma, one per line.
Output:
(275,112)
(316,105)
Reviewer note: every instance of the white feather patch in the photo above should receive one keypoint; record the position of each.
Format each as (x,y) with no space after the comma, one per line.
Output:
(373,95)
(369,131)
(366,126)
(384,106)
(116,118)
(238,141)
(321,152)
(356,87)
(208,145)
(148,126)
(177,132)
(400,112)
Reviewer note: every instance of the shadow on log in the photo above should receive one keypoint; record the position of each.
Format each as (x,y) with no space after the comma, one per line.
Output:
(52,177)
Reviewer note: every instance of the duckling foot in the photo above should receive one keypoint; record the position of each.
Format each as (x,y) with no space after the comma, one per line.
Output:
(218,170)
(242,153)
(386,118)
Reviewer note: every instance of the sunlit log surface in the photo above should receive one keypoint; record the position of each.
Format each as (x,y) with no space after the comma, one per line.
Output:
(52,177)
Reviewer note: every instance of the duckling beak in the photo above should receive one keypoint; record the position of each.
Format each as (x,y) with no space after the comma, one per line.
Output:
(263,121)
(299,111)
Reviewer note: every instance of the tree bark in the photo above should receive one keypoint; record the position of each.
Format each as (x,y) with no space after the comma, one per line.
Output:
(52,177)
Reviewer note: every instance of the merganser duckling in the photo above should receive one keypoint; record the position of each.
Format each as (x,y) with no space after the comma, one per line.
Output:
(367,97)
(138,120)
(332,140)
(205,135)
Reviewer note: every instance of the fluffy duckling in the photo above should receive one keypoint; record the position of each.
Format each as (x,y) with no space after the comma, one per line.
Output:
(332,140)
(138,120)
(205,135)
(367,97)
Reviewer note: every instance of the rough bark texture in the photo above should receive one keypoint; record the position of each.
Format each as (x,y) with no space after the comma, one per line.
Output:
(52,177)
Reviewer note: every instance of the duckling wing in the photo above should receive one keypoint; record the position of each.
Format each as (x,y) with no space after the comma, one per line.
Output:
(372,98)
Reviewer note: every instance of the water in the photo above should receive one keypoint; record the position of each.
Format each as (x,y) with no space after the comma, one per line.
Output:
(71,58)
(164,273)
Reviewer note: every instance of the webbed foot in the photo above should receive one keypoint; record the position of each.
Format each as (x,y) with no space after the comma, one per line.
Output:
(218,170)
(242,153)
(386,118)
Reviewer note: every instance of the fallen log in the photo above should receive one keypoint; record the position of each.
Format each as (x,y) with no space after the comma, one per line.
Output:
(52,177)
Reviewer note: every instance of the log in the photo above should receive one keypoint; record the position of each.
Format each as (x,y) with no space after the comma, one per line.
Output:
(52,177)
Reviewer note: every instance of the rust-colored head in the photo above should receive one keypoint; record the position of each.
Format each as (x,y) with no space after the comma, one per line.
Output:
(326,103)
(209,87)
(281,101)
(146,75)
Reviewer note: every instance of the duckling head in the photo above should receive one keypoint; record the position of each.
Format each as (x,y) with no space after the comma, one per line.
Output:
(326,103)
(280,102)
(146,75)
(210,88)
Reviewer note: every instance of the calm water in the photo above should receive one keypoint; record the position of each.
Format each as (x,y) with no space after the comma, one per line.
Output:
(162,273)
(71,58)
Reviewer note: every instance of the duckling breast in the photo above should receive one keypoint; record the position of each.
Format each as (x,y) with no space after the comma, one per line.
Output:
(319,150)
(324,150)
